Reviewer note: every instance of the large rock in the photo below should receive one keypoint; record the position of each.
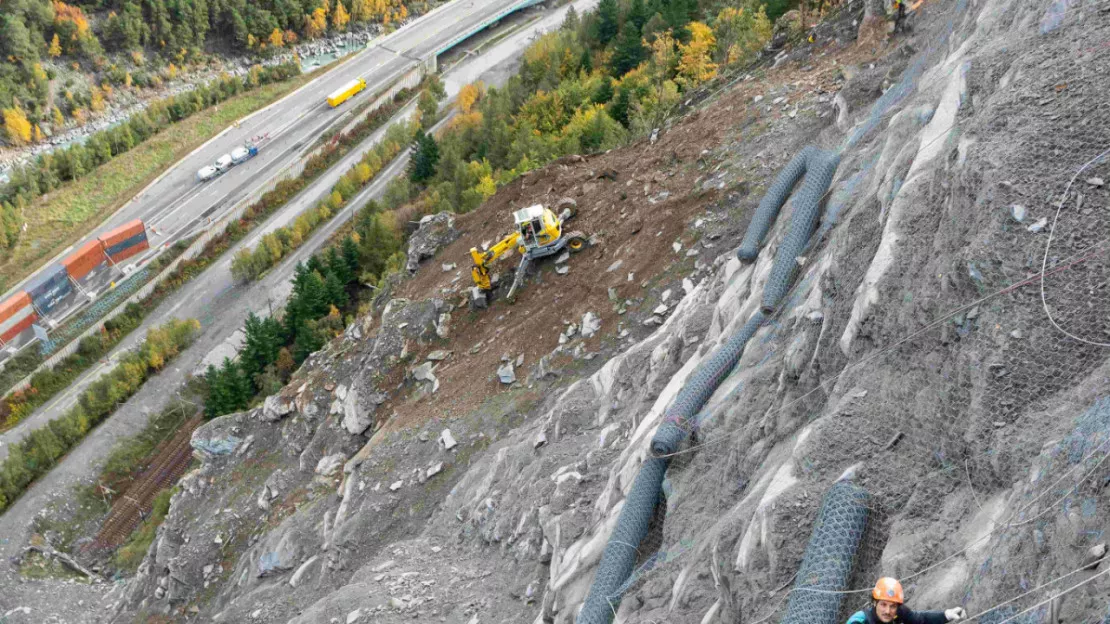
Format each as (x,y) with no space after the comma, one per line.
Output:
(283,556)
(276,407)
(355,418)
(434,232)
(218,437)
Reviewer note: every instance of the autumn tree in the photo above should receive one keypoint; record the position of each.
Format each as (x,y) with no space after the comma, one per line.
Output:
(276,38)
(315,24)
(55,49)
(340,17)
(741,32)
(469,95)
(16,126)
(696,64)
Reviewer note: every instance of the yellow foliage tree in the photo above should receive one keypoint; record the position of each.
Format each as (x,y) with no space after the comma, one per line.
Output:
(696,63)
(96,99)
(469,95)
(362,10)
(171,71)
(663,56)
(363,173)
(340,17)
(67,13)
(315,24)
(38,134)
(276,38)
(55,47)
(16,126)
(59,121)
(741,32)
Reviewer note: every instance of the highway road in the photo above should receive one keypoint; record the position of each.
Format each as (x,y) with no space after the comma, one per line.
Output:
(177,203)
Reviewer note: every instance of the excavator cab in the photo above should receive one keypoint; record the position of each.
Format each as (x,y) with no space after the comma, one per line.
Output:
(538,227)
(539,233)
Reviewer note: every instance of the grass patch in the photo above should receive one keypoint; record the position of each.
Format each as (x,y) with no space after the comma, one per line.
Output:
(131,554)
(57,219)
(35,566)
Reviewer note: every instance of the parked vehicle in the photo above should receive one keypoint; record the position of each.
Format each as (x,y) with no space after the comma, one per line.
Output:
(346,92)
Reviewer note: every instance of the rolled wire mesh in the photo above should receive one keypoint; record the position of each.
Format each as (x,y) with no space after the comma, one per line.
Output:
(773,200)
(820,168)
(619,557)
(827,564)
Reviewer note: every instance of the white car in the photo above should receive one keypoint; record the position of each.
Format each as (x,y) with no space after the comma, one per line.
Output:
(223,163)
(206,173)
(240,154)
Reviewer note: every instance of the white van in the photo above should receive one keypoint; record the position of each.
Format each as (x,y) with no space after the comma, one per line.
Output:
(223,163)
(206,173)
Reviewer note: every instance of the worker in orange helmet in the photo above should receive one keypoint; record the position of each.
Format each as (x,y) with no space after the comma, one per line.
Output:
(888,605)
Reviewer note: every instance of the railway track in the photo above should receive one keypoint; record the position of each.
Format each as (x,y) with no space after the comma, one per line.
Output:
(170,462)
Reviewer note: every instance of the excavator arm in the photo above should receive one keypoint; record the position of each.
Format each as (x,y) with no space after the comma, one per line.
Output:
(482,259)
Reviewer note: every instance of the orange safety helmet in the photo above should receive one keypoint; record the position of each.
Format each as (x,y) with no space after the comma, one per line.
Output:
(888,589)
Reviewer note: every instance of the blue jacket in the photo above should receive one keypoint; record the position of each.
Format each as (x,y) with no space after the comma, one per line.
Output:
(905,616)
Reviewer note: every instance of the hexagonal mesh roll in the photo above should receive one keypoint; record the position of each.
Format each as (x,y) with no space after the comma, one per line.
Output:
(829,556)
(620,553)
(772,202)
(820,168)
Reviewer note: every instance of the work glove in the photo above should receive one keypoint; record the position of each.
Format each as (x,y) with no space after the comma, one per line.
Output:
(955,613)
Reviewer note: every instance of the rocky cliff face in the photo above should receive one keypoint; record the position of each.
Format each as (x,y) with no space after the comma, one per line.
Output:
(920,354)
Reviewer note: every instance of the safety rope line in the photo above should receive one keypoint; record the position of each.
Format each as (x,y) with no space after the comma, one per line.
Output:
(1048,246)
(1041,603)
(1097,247)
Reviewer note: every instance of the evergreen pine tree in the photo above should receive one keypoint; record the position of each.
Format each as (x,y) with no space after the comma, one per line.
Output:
(604,92)
(309,339)
(586,65)
(618,108)
(334,292)
(608,21)
(637,14)
(316,265)
(350,256)
(571,21)
(338,265)
(425,156)
(216,402)
(630,51)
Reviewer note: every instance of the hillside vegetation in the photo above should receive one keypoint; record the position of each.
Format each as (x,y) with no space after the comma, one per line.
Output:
(63,61)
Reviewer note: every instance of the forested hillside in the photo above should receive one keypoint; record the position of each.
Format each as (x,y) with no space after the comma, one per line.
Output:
(601,79)
(62,61)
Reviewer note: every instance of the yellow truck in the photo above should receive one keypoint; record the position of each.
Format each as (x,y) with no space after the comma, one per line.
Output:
(346,92)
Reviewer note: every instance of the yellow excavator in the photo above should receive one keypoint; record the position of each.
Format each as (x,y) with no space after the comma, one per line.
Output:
(539,233)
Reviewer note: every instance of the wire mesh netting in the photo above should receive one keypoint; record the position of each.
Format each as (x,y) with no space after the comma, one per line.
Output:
(986,367)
